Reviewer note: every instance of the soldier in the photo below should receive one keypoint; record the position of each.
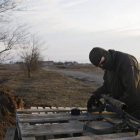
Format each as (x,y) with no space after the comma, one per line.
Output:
(121,78)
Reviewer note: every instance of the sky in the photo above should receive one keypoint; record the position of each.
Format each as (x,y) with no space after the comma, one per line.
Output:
(71,28)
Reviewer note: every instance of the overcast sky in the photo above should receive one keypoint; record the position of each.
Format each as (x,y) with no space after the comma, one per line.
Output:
(71,28)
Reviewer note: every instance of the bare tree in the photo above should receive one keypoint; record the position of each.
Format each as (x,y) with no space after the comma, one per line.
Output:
(6,8)
(8,38)
(6,5)
(31,56)
(10,41)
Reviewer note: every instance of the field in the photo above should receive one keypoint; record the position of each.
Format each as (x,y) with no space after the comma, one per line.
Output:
(46,88)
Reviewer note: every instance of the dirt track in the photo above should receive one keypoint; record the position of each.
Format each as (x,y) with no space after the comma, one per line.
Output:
(94,77)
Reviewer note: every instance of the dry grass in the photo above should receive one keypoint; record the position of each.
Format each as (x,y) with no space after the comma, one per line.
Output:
(46,88)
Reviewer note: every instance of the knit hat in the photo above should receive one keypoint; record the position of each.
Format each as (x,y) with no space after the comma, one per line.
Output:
(96,54)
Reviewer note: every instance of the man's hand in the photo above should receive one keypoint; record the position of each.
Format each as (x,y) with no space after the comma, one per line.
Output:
(93,101)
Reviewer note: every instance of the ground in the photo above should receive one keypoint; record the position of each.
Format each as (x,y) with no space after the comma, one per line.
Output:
(83,72)
(46,88)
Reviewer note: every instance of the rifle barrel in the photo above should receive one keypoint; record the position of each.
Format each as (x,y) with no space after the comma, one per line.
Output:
(114,102)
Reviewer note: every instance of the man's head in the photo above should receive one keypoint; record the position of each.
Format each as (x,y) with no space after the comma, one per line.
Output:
(101,57)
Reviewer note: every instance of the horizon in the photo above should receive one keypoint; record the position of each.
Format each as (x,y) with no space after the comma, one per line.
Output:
(70,29)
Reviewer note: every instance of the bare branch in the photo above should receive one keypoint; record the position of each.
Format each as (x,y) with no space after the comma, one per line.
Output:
(31,56)
(6,5)
(9,41)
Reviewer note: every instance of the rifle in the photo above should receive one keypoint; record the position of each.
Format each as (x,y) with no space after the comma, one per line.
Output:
(113,105)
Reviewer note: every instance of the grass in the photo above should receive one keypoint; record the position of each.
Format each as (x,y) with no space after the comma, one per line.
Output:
(46,88)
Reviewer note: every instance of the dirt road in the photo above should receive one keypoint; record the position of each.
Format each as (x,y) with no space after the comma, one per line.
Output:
(94,77)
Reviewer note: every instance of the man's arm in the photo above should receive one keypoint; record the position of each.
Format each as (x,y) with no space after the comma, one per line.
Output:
(100,90)
(93,100)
